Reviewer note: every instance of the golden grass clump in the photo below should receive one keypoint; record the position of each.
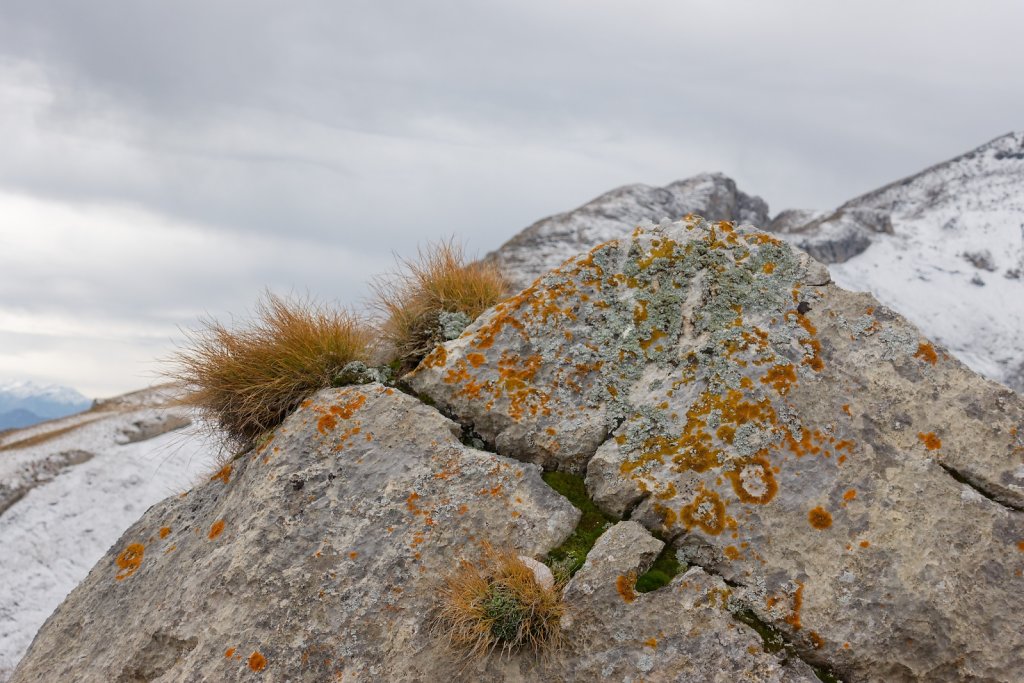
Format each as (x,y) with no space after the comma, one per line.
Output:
(497,604)
(246,381)
(438,281)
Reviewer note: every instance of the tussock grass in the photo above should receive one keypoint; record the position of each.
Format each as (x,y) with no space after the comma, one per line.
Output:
(498,605)
(412,299)
(246,381)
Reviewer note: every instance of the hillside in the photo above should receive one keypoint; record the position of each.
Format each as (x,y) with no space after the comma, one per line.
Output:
(796,459)
(69,487)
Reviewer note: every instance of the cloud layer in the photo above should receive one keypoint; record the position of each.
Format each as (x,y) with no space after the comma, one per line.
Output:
(164,159)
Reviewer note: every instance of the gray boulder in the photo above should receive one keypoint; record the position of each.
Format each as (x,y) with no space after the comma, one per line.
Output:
(319,556)
(857,487)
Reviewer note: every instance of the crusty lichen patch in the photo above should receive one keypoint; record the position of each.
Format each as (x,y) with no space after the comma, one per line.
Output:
(130,560)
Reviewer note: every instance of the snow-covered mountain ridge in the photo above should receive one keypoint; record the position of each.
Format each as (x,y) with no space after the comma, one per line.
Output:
(945,247)
(18,399)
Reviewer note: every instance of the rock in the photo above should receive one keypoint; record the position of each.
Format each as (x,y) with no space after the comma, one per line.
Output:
(333,576)
(319,557)
(860,488)
(541,572)
(683,632)
(550,241)
(151,425)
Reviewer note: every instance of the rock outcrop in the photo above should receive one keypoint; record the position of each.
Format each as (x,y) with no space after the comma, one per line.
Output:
(859,488)
(318,557)
(547,243)
(823,471)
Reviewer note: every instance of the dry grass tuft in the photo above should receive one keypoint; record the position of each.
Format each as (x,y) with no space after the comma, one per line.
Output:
(412,299)
(247,381)
(497,604)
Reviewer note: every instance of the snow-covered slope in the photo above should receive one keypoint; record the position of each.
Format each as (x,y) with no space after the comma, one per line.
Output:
(550,241)
(945,248)
(44,401)
(70,487)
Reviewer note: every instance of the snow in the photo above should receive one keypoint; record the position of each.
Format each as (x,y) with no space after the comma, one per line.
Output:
(60,529)
(928,269)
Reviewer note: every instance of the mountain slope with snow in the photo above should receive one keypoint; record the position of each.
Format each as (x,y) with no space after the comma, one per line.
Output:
(70,487)
(945,248)
(550,241)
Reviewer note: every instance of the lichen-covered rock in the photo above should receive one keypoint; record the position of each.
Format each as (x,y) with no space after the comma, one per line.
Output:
(860,488)
(319,556)
(550,241)
(684,632)
(313,559)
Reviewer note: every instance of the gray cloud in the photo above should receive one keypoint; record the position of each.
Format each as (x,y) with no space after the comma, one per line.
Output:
(354,129)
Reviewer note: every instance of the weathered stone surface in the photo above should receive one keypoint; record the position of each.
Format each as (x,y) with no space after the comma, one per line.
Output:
(804,442)
(318,557)
(683,632)
(319,552)
(550,241)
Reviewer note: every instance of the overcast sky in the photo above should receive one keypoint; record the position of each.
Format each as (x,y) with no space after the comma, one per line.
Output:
(162,160)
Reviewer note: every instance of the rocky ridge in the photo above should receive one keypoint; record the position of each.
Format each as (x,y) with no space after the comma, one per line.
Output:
(816,463)
(803,442)
(547,243)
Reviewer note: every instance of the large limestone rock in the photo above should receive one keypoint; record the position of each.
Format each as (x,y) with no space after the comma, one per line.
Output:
(318,556)
(859,489)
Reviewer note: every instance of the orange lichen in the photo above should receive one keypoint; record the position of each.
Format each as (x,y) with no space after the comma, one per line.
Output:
(130,560)
(781,377)
(651,642)
(930,441)
(216,529)
(229,653)
(846,409)
(816,640)
(165,531)
(353,555)
(731,552)
(820,518)
(768,267)
(349,408)
(926,352)
(793,618)
(224,474)
(436,358)
(850,495)
(476,359)
(1020,546)
(326,423)
(257,662)
(625,584)
(865,544)
(706,511)
(754,482)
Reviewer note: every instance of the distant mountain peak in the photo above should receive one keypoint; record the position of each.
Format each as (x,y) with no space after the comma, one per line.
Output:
(46,401)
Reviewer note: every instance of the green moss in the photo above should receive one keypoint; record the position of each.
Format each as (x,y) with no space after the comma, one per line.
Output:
(566,559)
(661,573)
(771,637)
